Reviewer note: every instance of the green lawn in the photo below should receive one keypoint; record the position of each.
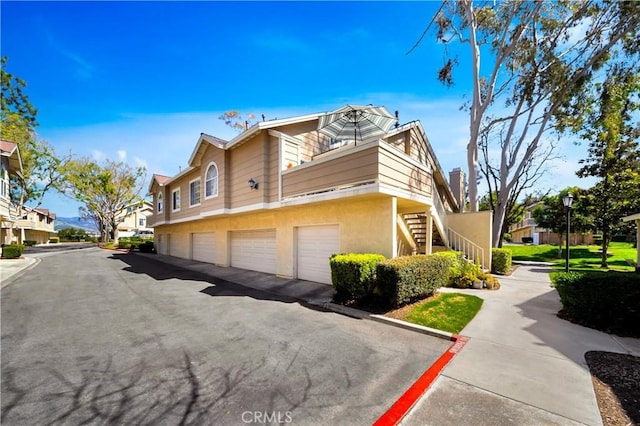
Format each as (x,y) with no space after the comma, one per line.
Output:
(448,312)
(580,257)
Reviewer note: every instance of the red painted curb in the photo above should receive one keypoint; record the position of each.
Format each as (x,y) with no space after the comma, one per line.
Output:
(115,249)
(402,406)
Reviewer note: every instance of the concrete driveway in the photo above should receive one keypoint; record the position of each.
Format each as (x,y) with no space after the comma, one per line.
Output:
(94,336)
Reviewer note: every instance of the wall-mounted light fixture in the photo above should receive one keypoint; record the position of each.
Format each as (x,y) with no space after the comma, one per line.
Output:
(253,184)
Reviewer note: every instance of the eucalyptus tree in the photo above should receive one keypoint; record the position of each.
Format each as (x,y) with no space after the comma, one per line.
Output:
(612,127)
(105,190)
(41,167)
(529,65)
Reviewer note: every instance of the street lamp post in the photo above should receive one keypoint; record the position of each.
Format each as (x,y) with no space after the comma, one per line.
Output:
(567,200)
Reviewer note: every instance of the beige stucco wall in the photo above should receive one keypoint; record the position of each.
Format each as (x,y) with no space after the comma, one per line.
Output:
(367,224)
(475,227)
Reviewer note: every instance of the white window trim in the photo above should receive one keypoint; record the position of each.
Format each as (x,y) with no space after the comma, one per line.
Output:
(159,205)
(179,199)
(206,170)
(190,200)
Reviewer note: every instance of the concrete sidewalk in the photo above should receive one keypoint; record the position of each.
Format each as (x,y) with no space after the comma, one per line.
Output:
(11,269)
(522,365)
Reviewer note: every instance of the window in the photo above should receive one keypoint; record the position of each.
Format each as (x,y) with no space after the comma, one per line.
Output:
(194,193)
(4,183)
(211,181)
(175,199)
(160,205)
(142,222)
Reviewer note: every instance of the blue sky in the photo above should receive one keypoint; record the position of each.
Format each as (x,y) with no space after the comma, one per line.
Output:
(139,81)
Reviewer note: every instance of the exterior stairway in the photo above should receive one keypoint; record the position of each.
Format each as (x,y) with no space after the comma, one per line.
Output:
(416,224)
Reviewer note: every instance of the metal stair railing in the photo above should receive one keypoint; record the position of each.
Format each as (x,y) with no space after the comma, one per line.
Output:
(471,250)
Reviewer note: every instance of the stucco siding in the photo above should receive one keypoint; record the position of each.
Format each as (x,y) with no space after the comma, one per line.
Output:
(366,225)
(475,227)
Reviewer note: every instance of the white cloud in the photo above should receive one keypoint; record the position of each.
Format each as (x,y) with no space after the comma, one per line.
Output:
(122,154)
(97,155)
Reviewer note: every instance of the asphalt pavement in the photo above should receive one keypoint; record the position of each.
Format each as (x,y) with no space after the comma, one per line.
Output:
(521,365)
(95,336)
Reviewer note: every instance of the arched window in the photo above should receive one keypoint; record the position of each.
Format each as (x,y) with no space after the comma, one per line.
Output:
(211,181)
(160,202)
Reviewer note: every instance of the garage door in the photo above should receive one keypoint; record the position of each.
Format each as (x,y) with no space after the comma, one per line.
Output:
(203,246)
(254,250)
(315,245)
(178,245)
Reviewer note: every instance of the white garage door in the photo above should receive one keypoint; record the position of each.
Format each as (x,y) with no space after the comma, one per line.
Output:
(178,245)
(315,245)
(203,247)
(254,250)
(161,243)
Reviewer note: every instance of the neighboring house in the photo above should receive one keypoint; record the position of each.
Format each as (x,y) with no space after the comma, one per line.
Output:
(35,225)
(134,218)
(19,224)
(10,164)
(281,198)
(528,228)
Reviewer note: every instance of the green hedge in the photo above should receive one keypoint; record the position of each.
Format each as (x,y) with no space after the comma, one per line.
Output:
(500,261)
(12,251)
(455,262)
(353,275)
(608,301)
(406,278)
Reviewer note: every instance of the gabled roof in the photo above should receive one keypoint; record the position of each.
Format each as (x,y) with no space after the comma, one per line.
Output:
(205,140)
(201,147)
(438,172)
(12,152)
(42,212)
(161,180)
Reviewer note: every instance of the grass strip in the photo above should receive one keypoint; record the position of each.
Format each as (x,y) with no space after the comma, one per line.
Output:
(449,312)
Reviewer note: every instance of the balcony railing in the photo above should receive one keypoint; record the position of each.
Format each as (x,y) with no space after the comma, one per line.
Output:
(35,225)
(373,162)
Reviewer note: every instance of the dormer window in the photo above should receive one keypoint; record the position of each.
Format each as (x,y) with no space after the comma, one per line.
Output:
(160,202)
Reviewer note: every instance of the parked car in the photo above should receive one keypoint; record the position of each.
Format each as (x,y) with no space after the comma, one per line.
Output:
(144,234)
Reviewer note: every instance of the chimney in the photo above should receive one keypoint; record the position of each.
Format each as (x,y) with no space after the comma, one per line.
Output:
(458,184)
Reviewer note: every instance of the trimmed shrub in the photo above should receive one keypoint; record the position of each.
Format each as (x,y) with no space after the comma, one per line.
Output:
(501,261)
(608,301)
(455,262)
(354,275)
(404,279)
(490,282)
(29,243)
(12,251)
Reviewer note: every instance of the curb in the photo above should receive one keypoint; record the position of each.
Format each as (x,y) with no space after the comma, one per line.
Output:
(115,249)
(406,402)
(33,262)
